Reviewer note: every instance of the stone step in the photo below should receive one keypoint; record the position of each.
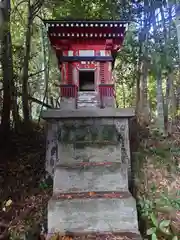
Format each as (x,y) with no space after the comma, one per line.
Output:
(86,93)
(92,215)
(87,96)
(87,102)
(84,101)
(85,105)
(81,178)
(101,236)
(87,99)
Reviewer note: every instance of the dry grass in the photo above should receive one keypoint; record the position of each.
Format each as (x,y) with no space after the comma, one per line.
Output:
(159,163)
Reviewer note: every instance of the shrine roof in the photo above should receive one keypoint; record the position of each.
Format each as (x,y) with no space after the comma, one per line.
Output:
(66,21)
(86,28)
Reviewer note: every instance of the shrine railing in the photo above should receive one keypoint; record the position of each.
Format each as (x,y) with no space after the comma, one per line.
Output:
(106,90)
(69,90)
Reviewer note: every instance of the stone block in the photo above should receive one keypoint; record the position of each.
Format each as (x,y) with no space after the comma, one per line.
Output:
(94,132)
(75,178)
(68,153)
(87,99)
(121,113)
(108,102)
(92,215)
(51,147)
(68,103)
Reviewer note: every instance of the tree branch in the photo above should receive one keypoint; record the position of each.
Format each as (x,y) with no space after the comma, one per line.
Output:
(33,99)
(36,7)
(34,74)
(36,100)
(39,102)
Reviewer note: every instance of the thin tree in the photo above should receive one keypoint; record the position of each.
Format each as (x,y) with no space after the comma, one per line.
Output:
(7,65)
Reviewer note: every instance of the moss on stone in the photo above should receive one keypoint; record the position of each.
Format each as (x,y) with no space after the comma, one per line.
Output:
(91,133)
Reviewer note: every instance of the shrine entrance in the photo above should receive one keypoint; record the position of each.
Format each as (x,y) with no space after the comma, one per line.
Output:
(87,80)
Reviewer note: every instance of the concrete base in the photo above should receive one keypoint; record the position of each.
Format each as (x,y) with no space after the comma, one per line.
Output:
(88,113)
(68,103)
(88,155)
(109,102)
(92,215)
(73,179)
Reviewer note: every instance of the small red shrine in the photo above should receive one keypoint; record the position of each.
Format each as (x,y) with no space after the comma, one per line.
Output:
(86,52)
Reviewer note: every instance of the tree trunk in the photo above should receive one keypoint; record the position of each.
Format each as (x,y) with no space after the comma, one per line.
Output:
(7,67)
(171,102)
(25,102)
(144,93)
(15,108)
(138,75)
(178,27)
(142,104)
(158,74)
(45,68)
(160,105)
(123,95)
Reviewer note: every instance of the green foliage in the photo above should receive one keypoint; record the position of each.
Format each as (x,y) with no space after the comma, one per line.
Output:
(89,9)
(149,211)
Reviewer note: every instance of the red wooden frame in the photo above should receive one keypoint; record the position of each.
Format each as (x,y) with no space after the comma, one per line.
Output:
(106,90)
(68,90)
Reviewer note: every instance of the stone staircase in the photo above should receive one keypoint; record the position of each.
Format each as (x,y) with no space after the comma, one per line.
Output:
(88,156)
(93,198)
(87,99)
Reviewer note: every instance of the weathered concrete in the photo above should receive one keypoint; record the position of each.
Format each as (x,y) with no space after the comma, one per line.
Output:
(93,215)
(87,140)
(88,113)
(87,99)
(68,103)
(108,102)
(112,177)
(88,152)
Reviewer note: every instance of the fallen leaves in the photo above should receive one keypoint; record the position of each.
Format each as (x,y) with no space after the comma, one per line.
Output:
(21,172)
(84,195)
(158,171)
(66,238)
(8,203)
(92,194)
(94,236)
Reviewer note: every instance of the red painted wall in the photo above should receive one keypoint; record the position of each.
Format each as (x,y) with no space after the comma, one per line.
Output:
(102,73)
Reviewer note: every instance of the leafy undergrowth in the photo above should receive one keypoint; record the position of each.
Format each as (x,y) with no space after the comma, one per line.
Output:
(23,191)
(157,181)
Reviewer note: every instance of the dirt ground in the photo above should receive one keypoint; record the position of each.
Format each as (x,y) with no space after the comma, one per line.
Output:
(23,192)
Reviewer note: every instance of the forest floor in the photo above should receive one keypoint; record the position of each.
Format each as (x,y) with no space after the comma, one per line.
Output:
(157,184)
(24,193)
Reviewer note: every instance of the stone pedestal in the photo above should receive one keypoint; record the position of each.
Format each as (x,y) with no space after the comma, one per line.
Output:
(88,155)
(87,99)
(108,102)
(68,103)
